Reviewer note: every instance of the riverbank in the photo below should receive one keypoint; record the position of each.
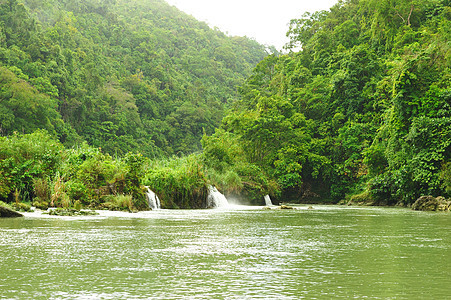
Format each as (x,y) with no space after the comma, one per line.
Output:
(96,213)
(37,213)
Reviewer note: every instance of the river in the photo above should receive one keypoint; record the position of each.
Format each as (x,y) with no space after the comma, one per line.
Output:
(237,253)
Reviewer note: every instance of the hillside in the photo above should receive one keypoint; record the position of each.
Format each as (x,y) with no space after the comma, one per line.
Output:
(361,114)
(362,111)
(122,75)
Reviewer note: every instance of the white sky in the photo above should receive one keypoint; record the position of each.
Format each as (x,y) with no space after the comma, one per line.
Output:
(264,20)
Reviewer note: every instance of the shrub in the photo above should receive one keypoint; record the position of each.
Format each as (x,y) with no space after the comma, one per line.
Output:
(40,204)
(24,158)
(118,202)
(22,207)
(179,182)
(364,198)
(41,189)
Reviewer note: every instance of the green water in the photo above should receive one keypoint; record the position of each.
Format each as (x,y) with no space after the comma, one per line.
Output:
(328,252)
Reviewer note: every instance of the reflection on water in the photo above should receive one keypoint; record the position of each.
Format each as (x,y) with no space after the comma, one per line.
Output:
(339,252)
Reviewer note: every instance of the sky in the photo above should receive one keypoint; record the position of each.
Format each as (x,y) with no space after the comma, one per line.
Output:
(264,20)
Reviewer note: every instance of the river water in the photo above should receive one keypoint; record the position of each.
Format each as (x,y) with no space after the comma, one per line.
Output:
(239,253)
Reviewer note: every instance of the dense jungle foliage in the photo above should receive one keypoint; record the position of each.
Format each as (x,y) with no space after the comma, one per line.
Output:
(362,110)
(36,168)
(122,75)
(358,109)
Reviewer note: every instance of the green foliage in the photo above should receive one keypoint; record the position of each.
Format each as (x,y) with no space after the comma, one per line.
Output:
(229,169)
(178,182)
(364,198)
(121,75)
(93,177)
(22,207)
(36,168)
(7,205)
(119,202)
(24,158)
(41,188)
(365,102)
(445,176)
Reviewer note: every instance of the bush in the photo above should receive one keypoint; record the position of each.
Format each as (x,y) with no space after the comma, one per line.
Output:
(179,182)
(41,189)
(118,202)
(38,203)
(381,189)
(6,205)
(445,176)
(78,191)
(228,168)
(364,198)
(23,158)
(22,207)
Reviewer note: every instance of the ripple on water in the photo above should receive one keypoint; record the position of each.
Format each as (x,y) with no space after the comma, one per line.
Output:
(328,252)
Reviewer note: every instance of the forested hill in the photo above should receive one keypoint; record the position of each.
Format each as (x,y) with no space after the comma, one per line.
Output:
(121,74)
(363,109)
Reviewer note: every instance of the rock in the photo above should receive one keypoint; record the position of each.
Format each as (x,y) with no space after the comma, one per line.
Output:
(362,199)
(286,207)
(430,203)
(8,213)
(71,212)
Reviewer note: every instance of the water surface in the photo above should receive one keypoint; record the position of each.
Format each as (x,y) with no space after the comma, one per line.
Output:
(328,252)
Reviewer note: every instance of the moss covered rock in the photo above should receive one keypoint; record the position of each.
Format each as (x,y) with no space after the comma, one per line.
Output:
(430,203)
(71,212)
(22,207)
(43,205)
(362,199)
(6,212)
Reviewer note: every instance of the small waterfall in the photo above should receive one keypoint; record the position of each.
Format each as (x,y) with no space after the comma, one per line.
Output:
(215,199)
(268,201)
(152,199)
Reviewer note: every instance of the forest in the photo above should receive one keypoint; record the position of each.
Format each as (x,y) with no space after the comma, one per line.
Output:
(101,98)
(121,75)
(360,114)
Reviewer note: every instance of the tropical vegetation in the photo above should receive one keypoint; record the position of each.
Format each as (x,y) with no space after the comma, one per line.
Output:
(361,112)
(100,98)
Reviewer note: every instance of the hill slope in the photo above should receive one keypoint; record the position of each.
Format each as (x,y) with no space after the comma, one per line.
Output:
(123,75)
(363,109)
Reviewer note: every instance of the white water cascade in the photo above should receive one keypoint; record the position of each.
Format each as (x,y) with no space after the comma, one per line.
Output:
(152,199)
(215,199)
(268,201)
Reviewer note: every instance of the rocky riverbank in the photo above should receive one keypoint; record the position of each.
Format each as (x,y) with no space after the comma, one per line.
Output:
(430,203)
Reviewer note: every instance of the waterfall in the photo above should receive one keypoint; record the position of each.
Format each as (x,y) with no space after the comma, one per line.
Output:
(268,201)
(152,199)
(215,199)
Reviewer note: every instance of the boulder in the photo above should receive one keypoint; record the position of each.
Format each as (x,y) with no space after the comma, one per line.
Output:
(430,203)
(8,213)
(286,207)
